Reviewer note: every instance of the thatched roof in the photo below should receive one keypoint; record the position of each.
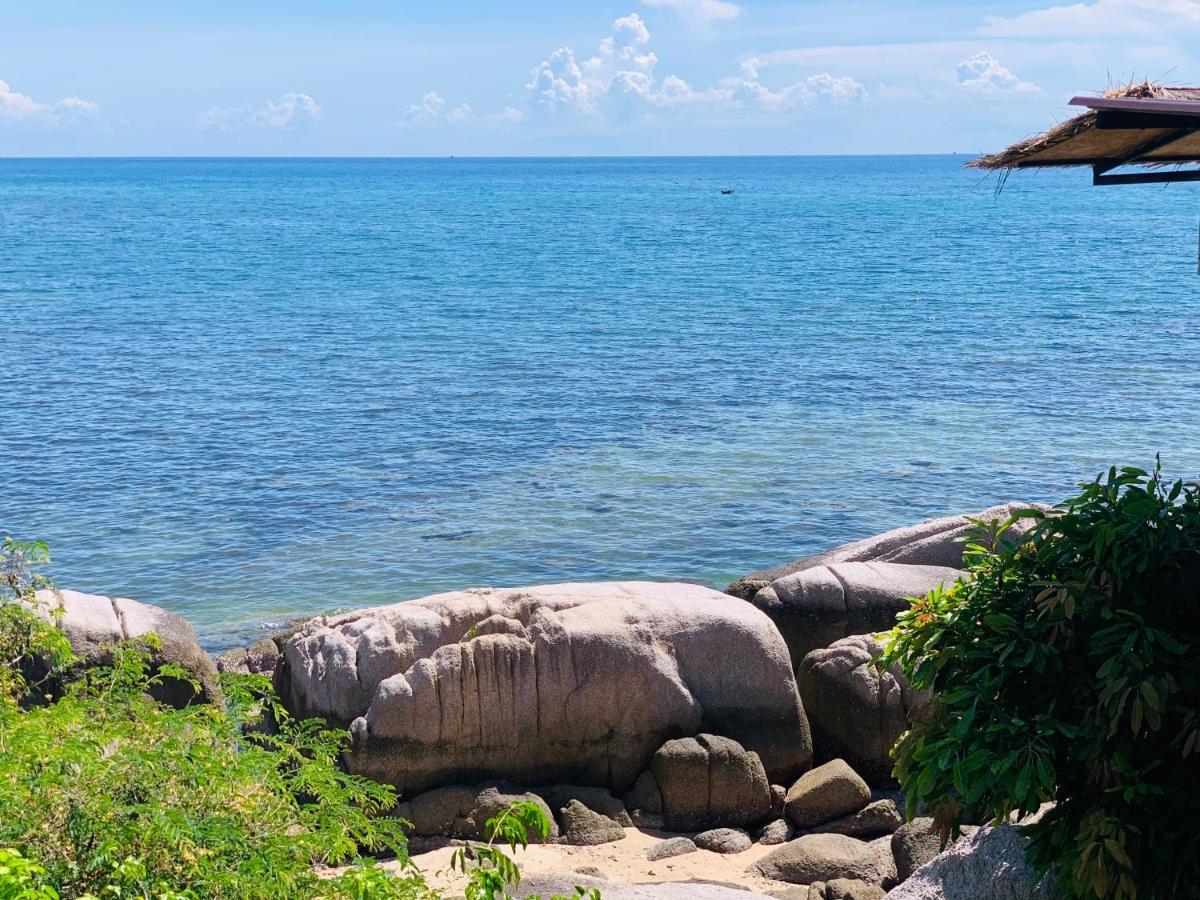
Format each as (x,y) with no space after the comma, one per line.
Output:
(1142,123)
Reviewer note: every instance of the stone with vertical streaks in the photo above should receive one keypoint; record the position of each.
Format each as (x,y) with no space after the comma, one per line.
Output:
(597,677)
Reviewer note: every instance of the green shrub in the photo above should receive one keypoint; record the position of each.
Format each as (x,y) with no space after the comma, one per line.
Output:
(106,793)
(1064,669)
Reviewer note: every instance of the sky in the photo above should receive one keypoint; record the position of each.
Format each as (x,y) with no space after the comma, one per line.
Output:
(540,78)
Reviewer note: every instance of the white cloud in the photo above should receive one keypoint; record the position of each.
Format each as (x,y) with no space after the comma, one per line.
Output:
(18,108)
(434,108)
(620,80)
(699,12)
(288,113)
(984,73)
(1105,18)
(623,70)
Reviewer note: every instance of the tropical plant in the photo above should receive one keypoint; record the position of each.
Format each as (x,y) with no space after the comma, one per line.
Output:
(32,651)
(1063,669)
(107,793)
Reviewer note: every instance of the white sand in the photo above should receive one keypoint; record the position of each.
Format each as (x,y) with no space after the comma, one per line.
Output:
(622,861)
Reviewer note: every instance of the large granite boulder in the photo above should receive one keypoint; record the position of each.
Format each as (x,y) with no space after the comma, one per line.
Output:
(859,588)
(988,865)
(816,607)
(710,782)
(94,624)
(934,542)
(856,711)
(582,685)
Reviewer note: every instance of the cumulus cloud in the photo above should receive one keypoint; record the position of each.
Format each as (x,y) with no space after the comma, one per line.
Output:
(18,108)
(290,112)
(434,108)
(623,69)
(1107,18)
(983,72)
(699,12)
(620,79)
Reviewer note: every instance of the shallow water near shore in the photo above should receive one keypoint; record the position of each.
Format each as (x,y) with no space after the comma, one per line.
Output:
(248,390)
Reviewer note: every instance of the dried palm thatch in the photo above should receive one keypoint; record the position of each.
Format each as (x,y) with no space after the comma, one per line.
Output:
(1086,143)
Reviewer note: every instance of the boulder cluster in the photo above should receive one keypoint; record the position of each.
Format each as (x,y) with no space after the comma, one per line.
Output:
(721,720)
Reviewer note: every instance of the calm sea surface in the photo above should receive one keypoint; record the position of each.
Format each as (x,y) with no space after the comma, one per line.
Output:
(252,389)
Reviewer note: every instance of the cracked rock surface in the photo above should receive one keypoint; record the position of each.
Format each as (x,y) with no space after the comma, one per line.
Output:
(573,683)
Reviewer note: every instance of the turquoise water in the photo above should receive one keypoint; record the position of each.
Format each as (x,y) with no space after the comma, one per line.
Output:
(252,389)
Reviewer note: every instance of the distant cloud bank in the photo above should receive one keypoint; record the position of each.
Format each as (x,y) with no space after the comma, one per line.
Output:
(291,111)
(18,108)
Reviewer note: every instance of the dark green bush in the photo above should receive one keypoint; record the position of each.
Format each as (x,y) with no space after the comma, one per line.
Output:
(1065,670)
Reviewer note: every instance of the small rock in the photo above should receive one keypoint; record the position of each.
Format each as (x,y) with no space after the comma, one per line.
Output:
(462,812)
(779,831)
(591,872)
(826,792)
(596,799)
(853,889)
(724,840)
(913,845)
(819,857)
(676,846)
(873,820)
(584,827)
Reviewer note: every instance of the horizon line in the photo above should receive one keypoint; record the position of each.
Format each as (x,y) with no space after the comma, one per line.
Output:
(449,156)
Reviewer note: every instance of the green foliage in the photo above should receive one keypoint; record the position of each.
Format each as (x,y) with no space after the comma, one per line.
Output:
(1064,670)
(22,879)
(117,795)
(32,650)
(107,794)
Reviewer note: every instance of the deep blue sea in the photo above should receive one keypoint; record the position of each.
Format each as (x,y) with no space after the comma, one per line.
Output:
(252,389)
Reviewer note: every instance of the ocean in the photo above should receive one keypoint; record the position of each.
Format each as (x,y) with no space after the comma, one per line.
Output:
(249,390)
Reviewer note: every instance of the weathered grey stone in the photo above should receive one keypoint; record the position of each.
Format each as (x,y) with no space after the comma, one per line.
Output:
(648,821)
(885,863)
(820,857)
(532,886)
(856,712)
(644,795)
(914,844)
(777,831)
(585,828)
(604,674)
(710,782)
(827,792)
(260,658)
(676,846)
(93,624)
(852,889)
(596,799)
(934,542)
(462,812)
(815,607)
(878,818)
(988,865)
(778,795)
(724,840)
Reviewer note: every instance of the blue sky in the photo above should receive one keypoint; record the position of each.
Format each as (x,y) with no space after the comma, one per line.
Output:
(529,77)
